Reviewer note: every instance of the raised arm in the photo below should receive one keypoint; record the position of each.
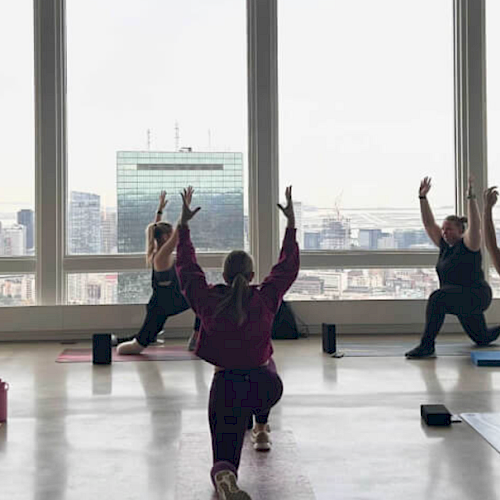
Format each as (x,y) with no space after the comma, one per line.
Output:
(161,205)
(191,277)
(432,229)
(162,257)
(284,273)
(490,238)
(472,237)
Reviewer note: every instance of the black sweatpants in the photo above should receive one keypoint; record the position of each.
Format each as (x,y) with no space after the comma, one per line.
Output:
(164,302)
(468,304)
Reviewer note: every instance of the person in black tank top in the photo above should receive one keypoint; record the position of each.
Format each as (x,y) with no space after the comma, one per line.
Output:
(463,290)
(167,299)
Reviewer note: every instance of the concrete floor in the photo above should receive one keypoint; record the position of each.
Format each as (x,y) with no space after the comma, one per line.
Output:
(81,432)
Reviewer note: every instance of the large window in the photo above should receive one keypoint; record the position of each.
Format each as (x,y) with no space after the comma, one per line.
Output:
(363,284)
(17,172)
(131,287)
(493,101)
(17,290)
(366,111)
(156,100)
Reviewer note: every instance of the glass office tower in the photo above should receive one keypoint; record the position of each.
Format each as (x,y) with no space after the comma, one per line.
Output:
(218,182)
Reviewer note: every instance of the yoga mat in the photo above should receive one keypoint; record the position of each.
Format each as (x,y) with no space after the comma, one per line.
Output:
(398,349)
(169,353)
(486,424)
(486,358)
(274,475)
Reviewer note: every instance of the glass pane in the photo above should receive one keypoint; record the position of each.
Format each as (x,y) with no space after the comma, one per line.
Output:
(363,284)
(17,118)
(366,111)
(493,100)
(131,287)
(156,100)
(17,290)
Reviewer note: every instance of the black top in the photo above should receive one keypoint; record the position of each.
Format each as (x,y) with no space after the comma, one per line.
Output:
(166,278)
(457,265)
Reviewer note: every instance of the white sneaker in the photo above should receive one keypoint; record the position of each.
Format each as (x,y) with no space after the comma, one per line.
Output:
(132,347)
(227,487)
(261,440)
(157,342)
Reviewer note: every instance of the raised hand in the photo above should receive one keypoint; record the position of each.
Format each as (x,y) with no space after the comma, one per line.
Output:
(490,197)
(163,202)
(470,187)
(187,214)
(288,210)
(425,186)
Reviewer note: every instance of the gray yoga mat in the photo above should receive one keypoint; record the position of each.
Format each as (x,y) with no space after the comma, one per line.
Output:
(398,349)
(272,475)
(486,424)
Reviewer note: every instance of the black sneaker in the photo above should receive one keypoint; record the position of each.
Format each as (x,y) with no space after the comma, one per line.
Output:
(421,352)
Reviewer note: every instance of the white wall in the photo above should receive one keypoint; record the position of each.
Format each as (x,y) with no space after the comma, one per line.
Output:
(79,322)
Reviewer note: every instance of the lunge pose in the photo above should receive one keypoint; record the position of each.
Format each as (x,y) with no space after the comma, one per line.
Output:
(463,290)
(167,299)
(235,337)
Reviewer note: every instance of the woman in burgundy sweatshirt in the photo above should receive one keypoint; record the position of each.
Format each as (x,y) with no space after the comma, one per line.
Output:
(235,336)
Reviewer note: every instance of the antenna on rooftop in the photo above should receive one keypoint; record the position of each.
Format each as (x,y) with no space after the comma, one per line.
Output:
(177,136)
(149,139)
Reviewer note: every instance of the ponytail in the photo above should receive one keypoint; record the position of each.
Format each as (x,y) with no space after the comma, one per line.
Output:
(235,300)
(238,269)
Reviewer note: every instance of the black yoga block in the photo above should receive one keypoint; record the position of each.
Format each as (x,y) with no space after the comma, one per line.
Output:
(435,415)
(101,348)
(329,340)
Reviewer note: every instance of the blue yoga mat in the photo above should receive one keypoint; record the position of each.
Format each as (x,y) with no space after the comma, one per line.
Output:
(486,358)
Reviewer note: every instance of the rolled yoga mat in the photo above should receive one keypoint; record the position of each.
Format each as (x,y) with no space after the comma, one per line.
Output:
(275,475)
(398,349)
(168,353)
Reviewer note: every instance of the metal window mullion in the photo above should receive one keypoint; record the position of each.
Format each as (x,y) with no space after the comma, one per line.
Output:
(263,132)
(50,148)
(470,103)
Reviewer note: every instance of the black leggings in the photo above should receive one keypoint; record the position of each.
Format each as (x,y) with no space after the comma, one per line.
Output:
(468,304)
(164,302)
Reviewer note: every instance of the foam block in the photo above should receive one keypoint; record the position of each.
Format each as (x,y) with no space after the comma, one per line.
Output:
(435,415)
(101,348)
(486,358)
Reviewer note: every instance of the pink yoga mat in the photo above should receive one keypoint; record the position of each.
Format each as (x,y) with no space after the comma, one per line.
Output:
(170,353)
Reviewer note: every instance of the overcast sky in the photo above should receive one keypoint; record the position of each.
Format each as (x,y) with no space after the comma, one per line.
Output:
(366,93)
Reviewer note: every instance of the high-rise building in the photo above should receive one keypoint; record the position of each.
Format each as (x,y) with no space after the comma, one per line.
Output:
(312,240)
(14,240)
(368,238)
(84,223)
(218,182)
(109,242)
(25,217)
(335,233)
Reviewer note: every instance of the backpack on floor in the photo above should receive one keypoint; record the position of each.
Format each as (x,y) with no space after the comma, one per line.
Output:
(285,326)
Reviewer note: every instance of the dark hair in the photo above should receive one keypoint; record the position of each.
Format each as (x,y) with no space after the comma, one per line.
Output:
(238,268)
(459,221)
(154,232)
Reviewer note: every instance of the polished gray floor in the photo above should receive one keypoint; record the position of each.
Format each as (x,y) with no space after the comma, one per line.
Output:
(81,432)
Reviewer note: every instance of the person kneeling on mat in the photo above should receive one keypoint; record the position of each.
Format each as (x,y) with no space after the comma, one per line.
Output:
(235,337)
(463,290)
(167,299)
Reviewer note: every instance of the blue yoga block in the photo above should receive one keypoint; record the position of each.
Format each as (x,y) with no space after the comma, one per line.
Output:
(486,358)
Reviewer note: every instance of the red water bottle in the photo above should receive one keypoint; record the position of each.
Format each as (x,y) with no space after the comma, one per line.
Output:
(4,387)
